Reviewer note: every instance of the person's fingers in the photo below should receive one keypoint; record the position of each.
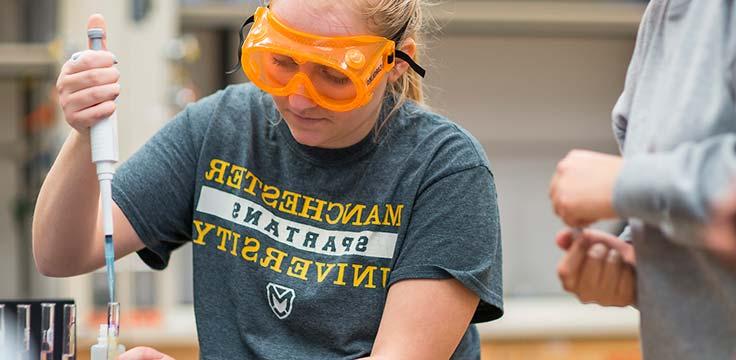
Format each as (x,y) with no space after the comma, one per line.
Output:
(88,59)
(720,235)
(599,236)
(90,116)
(90,96)
(568,269)
(614,242)
(610,276)
(577,222)
(553,183)
(590,274)
(628,254)
(144,353)
(721,241)
(564,239)
(626,291)
(98,21)
(726,205)
(140,353)
(90,78)
(565,207)
(553,195)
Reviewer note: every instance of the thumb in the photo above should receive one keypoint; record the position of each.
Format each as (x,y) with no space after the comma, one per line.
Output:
(97,21)
(564,239)
(144,353)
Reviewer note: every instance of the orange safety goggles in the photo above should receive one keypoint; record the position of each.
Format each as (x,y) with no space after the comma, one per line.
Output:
(337,73)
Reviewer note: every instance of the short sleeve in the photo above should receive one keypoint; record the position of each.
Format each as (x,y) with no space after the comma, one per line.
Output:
(155,187)
(454,232)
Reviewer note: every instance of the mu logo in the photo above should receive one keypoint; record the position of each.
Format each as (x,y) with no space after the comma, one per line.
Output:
(281,299)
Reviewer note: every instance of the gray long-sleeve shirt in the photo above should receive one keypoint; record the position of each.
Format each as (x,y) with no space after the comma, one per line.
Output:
(676,125)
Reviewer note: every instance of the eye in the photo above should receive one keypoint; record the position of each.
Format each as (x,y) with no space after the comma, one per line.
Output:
(283,61)
(334,76)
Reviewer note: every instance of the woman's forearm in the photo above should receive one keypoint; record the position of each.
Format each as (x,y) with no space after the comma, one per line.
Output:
(65,218)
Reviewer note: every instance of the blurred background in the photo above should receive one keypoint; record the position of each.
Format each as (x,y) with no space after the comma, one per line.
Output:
(530,79)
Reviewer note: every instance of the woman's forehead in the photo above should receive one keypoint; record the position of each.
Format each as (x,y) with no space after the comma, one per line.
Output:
(321,17)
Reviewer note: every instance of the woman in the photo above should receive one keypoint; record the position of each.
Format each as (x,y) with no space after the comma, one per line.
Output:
(331,215)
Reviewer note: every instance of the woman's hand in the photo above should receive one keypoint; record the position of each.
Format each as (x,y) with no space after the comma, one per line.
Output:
(581,189)
(88,85)
(144,353)
(597,268)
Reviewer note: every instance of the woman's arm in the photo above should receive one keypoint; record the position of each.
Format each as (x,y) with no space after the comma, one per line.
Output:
(424,319)
(67,231)
(68,238)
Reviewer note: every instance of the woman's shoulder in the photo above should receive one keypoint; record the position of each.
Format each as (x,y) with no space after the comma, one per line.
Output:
(228,106)
(219,115)
(424,132)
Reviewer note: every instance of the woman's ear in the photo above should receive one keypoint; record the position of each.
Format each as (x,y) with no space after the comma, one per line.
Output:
(409,46)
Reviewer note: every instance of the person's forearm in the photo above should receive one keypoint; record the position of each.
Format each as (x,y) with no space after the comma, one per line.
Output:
(65,218)
(674,189)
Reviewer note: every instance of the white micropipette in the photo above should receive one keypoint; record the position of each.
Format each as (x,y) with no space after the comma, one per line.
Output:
(104,143)
(103,139)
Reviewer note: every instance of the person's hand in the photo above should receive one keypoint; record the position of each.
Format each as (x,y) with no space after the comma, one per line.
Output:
(581,189)
(597,267)
(144,353)
(88,85)
(721,233)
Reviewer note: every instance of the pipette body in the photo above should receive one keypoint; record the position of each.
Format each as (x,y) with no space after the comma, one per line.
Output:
(103,140)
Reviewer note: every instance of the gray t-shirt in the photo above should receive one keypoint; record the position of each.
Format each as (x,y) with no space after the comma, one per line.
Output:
(676,124)
(295,247)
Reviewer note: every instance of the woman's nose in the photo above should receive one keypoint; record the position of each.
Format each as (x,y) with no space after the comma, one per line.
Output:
(300,100)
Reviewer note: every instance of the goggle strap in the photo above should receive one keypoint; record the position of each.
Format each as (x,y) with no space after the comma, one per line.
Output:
(242,40)
(397,38)
(405,57)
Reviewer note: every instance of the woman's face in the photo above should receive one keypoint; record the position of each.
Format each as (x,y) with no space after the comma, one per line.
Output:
(309,123)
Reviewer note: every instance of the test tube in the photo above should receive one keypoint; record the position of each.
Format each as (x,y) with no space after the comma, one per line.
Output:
(69,344)
(47,330)
(2,326)
(113,329)
(24,329)
(113,319)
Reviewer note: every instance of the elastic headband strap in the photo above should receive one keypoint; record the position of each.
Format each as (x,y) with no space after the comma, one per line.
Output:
(404,56)
(396,38)
(414,66)
(242,40)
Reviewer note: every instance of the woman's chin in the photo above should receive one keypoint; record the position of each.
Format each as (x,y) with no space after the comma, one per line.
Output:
(308,138)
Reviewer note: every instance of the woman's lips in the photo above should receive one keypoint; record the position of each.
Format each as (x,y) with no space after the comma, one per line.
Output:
(304,119)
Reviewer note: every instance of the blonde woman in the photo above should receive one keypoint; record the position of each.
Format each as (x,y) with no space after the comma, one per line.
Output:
(332,216)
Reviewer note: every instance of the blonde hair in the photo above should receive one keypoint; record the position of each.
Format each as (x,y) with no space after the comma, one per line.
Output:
(387,18)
